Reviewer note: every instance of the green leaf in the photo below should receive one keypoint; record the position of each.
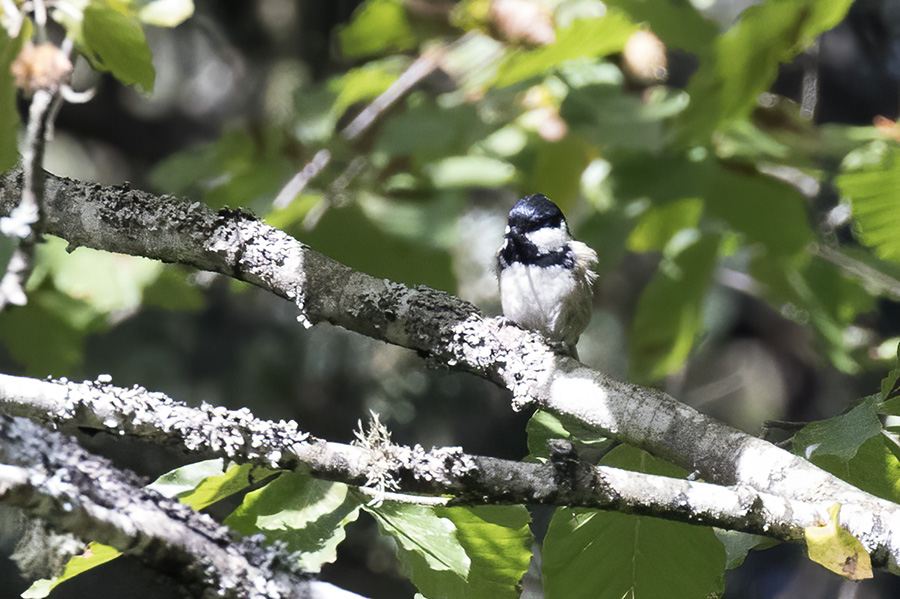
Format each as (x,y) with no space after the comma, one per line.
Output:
(351,237)
(105,281)
(544,426)
(470,171)
(659,224)
(584,38)
(116,43)
(497,540)
(204,483)
(307,514)
(600,555)
(378,27)
(872,192)
(9,114)
(669,312)
(738,545)
(764,209)
(47,335)
(889,389)
(173,291)
(816,294)
(875,467)
(164,13)
(367,82)
(556,169)
(834,547)
(840,436)
(745,60)
(427,543)
(676,22)
(611,118)
(95,555)
(426,132)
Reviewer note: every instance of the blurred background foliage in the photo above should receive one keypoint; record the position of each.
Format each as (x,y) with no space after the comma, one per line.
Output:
(734,167)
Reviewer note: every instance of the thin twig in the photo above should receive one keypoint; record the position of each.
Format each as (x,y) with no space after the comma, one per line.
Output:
(25,221)
(869,275)
(423,66)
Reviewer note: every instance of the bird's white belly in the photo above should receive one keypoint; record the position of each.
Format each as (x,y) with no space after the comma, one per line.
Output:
(534,297)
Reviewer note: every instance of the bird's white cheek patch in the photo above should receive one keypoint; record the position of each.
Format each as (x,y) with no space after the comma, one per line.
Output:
(548,240)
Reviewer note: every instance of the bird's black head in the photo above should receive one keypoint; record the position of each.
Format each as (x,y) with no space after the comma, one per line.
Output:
(535,212)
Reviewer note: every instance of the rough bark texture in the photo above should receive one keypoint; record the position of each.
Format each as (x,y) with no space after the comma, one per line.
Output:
(241,438)
(234,243)
(53,478)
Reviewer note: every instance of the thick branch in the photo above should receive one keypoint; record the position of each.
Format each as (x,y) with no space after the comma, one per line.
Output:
(122,220)
(54,479)
(241,438)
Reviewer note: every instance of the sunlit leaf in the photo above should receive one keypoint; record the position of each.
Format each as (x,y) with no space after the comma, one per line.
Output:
(164,13)
(378,26)
(107,282)
(427,542)
(543,427)
(117,44)
(584,38)
(677,23)
(497,541)
(470,171)
(307,514)
(95,555)
(202,484)
(873,194)
(834,547)
(659,224)
(745,59)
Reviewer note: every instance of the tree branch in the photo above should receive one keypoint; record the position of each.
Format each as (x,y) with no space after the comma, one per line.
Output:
(565,481)
(234,243)
(53,478)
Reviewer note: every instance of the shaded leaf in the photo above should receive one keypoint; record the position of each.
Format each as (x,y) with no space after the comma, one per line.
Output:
(611,118)
(600,555)
(874,467)
(669,312)
(840,436)
(349,236)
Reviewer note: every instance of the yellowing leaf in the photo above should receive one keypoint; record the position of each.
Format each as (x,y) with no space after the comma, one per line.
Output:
(838,550)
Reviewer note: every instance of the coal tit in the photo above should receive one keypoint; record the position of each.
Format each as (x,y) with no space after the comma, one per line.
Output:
(545,275)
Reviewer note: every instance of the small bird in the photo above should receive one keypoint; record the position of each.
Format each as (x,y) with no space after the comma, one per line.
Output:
(545,275)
